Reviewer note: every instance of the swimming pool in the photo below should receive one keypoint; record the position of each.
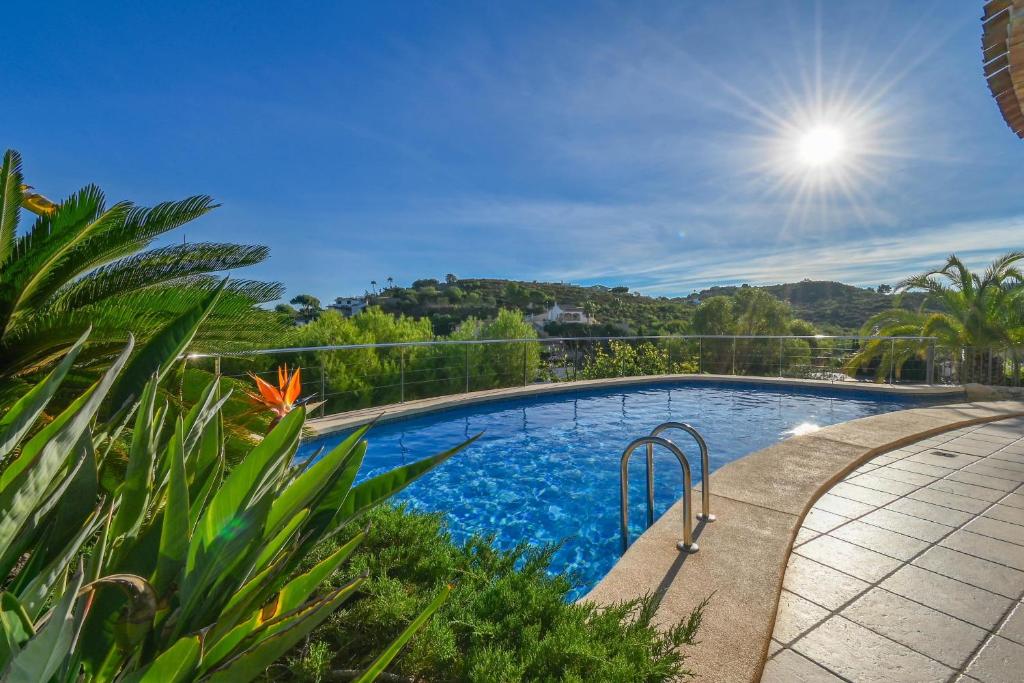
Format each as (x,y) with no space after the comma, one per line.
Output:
(547,468)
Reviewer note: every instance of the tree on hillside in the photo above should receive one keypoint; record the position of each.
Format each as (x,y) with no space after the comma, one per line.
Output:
(450,279)
(309,306)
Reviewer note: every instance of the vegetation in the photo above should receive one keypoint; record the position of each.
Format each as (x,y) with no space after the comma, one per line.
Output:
(177,569)
(507,618)
(364,377)
(625,359)
(832,307)
(81,265)
(968,313)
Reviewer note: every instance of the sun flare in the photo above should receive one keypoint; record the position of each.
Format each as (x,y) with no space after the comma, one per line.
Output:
(821,145)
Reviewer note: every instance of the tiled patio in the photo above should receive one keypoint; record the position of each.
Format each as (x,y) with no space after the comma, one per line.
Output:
(912,568)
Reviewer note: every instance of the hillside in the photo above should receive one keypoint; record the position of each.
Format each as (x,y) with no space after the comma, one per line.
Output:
(829,305)
(618,310)
(833,307)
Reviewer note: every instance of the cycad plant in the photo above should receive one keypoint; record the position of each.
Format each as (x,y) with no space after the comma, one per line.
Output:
(179,569)
(82,265)
(965,312)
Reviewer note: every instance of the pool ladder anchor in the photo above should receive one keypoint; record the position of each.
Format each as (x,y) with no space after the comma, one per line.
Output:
(650,441)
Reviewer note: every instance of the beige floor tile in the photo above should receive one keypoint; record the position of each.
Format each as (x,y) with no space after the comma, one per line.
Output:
(1004,531)
(942,459)
(861,494)
(968,490)
(913,478)
(804,535)
(993,577)
(789,667)
(1001,552)
(822,521)
(930,511)
(842,506)
(857,653)
(880,540)
(1006,513)
(984,480)
(921,468)
(795,616)
(920,628)
(849,558)
(907,525)
(1013,500)
(950,500)
(1001,661)
(1013,627)
(872,481)
(971,604)
(820,584)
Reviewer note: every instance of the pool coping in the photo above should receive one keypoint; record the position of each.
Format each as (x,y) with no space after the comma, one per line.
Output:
(761,501)
(341,421)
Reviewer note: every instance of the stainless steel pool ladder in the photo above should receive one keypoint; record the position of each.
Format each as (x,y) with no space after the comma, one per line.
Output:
(650,442)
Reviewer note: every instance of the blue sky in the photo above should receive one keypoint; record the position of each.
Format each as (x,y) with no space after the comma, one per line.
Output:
(649,144)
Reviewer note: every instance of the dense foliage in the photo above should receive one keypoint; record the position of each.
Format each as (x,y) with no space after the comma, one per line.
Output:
(81,265)
(968,313)
(177,567)
(354,378)
(632,359)
(506,619)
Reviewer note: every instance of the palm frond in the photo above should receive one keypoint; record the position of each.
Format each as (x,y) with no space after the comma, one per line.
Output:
(10,202)
(154,267)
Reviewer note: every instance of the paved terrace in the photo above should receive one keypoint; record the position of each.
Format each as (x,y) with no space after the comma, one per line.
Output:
(912,568)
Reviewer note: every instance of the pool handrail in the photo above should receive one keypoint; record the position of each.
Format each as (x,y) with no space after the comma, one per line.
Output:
(687,544)
(705,485)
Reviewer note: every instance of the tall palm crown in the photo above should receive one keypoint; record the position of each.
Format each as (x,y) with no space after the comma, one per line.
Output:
(961,308)
(81,264)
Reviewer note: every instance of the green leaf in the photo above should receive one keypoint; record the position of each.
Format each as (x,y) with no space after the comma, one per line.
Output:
(176,663)
(372,491)
(138,480)
(301,587)
(43,654)
(15,628)
(23,414)
(381,663)
(162,350)
(279,636)
(238,487)
(175,532)
(317,476)
(25,482)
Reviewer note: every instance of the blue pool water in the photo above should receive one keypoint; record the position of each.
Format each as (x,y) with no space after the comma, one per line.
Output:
(547,468)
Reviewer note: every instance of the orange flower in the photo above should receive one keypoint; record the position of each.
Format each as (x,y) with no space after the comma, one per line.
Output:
(282,398)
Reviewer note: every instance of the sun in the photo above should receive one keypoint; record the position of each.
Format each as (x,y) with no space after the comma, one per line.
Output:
(822,145)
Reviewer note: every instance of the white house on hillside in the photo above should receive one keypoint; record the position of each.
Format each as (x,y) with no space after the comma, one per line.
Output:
(348,306)
(561,314)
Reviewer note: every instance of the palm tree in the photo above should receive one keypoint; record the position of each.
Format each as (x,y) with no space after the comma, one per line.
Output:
(391,282)
(81,265)
(373,284)
(965,312)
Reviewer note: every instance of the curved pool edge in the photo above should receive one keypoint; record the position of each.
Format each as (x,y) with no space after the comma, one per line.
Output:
(761,500)
(338,422)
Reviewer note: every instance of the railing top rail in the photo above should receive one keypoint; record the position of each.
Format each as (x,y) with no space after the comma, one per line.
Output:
(547,340)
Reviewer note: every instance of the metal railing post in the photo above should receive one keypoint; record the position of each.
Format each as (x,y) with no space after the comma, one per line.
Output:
(526,371)
(929,365)
(401,381)
(734,355)
(892,361)
(323,390)
(216,365)
(780,356)
(467,368)
(990,366)
(700,355)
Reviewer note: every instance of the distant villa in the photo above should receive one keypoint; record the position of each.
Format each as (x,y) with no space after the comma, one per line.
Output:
(348,306)
(561,314)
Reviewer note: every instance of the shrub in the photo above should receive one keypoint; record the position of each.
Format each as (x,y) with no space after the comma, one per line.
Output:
(506,619)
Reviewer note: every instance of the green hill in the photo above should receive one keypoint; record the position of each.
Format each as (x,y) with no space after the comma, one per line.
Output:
(833,307)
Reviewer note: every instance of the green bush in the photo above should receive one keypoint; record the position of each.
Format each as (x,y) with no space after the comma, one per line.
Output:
(506,618)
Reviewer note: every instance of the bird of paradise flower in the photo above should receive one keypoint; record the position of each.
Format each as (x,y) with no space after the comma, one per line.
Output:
(283,398)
